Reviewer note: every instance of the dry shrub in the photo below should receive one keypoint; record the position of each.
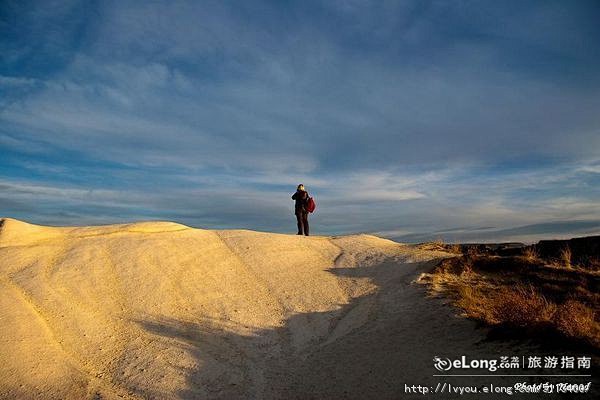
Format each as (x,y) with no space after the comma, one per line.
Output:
(531,253)
(475,304)
(455,266)
(467,265)
(575,319)
(561,300)
(436,245)
(522,306)
(473,252)
(593,264)
(565,256)
(439,244)
(454,248)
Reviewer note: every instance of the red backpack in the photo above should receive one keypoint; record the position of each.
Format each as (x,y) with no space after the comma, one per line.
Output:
(311,205)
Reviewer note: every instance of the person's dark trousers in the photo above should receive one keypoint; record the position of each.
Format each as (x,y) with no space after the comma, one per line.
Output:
(302,218)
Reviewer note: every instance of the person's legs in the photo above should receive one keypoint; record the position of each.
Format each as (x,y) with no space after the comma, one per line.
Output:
(300,223)
(305,222)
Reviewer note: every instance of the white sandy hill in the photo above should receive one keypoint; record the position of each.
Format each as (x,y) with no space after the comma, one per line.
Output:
(161,310)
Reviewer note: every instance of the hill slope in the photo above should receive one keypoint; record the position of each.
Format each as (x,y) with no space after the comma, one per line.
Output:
(161,310)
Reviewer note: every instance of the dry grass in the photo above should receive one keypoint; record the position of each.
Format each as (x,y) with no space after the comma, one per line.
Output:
(577,320)
(520,306)
(440,245)
(472,252)
(593,264)
(536,297)
(524,306)
(454,248)
(474,304)
(531,254)
(565,257)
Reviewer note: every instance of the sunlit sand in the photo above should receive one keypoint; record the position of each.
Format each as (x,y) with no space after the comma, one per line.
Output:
(161,310)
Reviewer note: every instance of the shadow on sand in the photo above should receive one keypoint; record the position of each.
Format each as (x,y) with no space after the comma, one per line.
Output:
(367,349)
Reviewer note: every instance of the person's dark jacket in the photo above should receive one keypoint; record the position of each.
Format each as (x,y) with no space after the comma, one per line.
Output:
(301,197)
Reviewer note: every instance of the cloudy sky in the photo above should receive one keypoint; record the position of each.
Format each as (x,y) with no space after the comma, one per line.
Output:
(461,120)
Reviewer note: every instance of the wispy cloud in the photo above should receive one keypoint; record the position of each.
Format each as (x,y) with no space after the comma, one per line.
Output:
(413,116)
(12,81)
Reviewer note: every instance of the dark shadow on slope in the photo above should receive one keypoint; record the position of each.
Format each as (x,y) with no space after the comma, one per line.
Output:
(370,349)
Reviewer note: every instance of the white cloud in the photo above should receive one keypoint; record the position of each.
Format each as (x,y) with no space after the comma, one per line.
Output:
(16,81)
(592,167)
(238,105)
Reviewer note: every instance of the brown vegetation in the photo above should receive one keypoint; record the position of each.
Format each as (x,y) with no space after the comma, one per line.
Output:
(531,253)
(523,292)
(565,257)
(440,245)
(575,319)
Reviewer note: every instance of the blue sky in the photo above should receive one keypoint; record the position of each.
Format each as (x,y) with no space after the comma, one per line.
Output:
(461,120)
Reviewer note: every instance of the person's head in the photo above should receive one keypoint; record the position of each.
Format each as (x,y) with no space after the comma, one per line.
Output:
(300,187)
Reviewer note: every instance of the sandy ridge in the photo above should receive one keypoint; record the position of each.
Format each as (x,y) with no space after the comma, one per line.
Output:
(160,310)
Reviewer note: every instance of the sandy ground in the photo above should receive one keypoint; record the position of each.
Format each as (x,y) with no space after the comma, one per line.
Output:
(160,310)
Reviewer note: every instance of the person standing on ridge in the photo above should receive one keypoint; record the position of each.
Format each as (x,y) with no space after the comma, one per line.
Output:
(301,197)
